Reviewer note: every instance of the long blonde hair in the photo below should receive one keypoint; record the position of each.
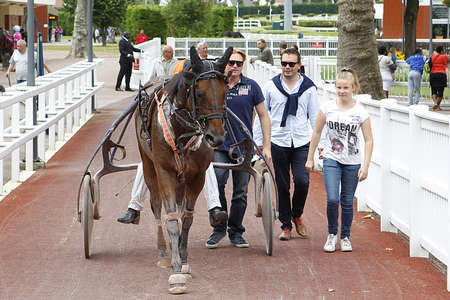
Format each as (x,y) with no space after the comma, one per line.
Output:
(349,74)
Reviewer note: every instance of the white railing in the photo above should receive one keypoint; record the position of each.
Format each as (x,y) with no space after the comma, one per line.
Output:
(151,50)
(64,101)
(246,24)
(216,47)
(408,183)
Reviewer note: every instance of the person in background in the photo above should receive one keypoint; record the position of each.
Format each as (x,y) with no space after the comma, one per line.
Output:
(265,54)
(19,60)
(126,61)
(415,63)
(23,34)
(393,54)
(342,167)
(300,35)
(163,66)
(202,50)
(282,46)
(141,37)
(294,46)
(292,102)
(384,61)
(61,33)
(438,76)
(17,36)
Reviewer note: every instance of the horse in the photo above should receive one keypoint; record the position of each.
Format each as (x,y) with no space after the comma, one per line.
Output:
(177,131)
(6,47)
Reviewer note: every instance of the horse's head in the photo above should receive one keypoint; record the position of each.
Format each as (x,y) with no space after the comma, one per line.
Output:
(207,94)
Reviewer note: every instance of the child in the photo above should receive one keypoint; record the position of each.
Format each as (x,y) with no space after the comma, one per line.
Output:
(342,162)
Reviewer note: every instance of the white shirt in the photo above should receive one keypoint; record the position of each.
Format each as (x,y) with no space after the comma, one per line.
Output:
(296,131)
(20,62)
(342,126)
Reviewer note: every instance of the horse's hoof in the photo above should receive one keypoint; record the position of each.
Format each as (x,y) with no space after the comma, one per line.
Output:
(177,284)
(163,263)
(186,271)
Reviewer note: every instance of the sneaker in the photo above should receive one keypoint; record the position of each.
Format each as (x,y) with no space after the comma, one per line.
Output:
(238,241)
(214,239)
(300,227)
(330,245)
(346,245)
(285,235)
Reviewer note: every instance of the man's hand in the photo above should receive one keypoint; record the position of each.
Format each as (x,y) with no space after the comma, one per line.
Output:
(7,73)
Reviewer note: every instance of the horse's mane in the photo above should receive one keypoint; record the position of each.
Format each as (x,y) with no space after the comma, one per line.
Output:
(177,83)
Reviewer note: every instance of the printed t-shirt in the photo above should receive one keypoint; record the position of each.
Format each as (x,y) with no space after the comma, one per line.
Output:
(342,143)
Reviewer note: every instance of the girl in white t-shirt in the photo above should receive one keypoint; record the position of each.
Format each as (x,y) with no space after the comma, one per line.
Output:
(342,167)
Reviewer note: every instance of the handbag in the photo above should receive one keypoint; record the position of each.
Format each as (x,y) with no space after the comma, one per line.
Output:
(428,65)
(392,67)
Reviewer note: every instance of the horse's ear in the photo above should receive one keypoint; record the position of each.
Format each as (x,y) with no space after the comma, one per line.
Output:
(196,62)
(221,63)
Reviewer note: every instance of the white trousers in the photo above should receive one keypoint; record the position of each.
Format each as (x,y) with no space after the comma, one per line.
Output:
(210,189)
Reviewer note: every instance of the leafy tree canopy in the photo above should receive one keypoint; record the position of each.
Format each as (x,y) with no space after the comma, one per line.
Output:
(187,17)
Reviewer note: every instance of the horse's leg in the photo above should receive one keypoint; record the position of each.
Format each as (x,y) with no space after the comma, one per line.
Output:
(167,183)
(156,205)
(193,189)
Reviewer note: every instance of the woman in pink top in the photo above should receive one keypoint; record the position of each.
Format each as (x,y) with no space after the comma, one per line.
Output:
(17,36)
(438,76)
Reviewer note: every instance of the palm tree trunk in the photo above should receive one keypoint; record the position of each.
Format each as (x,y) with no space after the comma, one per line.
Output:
(357,47)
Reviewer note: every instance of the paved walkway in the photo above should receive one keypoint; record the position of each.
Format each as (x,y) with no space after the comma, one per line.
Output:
(41,253)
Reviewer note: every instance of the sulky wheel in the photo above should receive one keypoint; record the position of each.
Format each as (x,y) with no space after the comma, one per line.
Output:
(87,214)
(267,212)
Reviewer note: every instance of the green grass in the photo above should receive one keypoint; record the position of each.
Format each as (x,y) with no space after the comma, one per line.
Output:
(295,30)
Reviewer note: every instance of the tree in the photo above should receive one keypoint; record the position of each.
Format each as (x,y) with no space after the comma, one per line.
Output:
(79,41)
(357,47)
(410,22)
(187,17)
(106,13)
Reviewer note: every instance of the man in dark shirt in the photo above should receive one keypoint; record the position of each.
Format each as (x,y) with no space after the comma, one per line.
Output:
(125,61)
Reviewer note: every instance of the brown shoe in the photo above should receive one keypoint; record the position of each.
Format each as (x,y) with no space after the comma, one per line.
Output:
(300,227)
(285,235)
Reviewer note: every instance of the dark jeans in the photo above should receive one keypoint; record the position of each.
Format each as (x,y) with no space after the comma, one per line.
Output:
(345,177)
(284,160)
(125,70)
(239,198)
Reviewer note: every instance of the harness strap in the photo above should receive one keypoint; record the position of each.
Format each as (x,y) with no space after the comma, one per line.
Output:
(172,216)
(191,140)
(167,133)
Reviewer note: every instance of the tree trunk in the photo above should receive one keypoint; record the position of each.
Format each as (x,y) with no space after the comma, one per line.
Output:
(410,21)
(80,32)
(357,48)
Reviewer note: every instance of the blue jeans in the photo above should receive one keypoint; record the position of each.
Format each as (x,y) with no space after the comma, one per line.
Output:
(414,82)
(239,198)
(337,175)
(285,160)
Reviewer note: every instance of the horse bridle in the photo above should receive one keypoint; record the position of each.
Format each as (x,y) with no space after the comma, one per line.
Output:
(211,74)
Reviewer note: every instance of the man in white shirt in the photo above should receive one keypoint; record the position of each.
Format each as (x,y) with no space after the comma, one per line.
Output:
(19,60)
(292,101)
(163,66)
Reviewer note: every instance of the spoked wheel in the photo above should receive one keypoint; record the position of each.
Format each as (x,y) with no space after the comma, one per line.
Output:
(268,212)
(87,214)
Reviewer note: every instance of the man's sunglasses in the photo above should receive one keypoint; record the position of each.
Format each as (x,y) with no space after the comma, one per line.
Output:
(291,64)
(237,62)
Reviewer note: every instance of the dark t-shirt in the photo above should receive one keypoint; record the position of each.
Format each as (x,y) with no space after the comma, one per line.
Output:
(241,99)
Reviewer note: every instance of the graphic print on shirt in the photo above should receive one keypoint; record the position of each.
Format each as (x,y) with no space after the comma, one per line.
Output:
(342,131)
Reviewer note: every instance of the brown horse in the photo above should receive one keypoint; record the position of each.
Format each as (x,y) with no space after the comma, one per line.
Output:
(176,137)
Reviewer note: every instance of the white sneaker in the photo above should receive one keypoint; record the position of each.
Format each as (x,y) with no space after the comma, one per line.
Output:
(346,246)
(330,245)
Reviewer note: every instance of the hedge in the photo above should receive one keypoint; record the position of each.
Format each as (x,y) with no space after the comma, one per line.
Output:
(297,8)
(148,18)
(222,19)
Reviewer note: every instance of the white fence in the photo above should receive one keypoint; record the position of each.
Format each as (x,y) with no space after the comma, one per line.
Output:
(151,50)
(216,47)
(64,101)
(240,24)
(408,183)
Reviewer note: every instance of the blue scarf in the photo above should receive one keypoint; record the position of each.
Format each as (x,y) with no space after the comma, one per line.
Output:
(292,99)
